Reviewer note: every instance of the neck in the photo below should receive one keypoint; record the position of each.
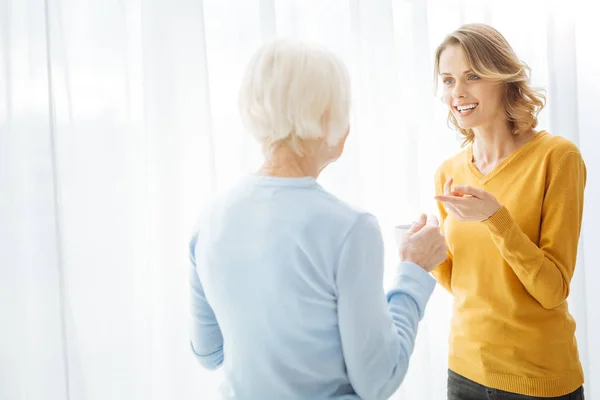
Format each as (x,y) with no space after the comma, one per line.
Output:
(285,163)
(494,143)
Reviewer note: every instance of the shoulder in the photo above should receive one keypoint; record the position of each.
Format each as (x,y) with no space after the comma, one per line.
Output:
(366,224)
(213,211)
(561,159)
(328,219)
(557,147)
(559,151)
(332,211)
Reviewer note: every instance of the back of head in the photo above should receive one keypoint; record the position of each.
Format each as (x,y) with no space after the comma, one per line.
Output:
(490,56)
(295,91)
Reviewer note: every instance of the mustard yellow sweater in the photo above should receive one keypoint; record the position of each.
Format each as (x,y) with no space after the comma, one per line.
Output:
(510,275)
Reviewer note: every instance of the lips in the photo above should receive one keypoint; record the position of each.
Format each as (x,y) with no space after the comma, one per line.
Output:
(466,109)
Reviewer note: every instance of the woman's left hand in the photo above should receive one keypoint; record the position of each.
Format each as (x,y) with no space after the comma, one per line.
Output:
(468,203)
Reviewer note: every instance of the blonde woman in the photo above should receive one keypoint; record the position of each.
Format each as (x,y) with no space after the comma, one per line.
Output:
(511,207)
(286,279)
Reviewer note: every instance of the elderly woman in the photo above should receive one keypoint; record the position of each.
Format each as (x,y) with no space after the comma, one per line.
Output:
(287,280)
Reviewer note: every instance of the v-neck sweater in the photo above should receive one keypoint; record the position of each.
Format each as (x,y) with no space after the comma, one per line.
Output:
(510,275)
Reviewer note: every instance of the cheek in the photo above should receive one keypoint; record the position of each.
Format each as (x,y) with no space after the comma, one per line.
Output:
(492,96)
(447,98)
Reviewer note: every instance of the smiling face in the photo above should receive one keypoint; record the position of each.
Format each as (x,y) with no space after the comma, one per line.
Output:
(475,102)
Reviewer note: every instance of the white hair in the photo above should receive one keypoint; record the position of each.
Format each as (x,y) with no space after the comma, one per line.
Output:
(289,90)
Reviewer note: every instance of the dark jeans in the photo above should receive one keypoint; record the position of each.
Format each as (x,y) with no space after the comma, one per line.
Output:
(461,388)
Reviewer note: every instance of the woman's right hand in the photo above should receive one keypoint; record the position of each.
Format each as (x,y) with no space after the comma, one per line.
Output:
(423,244)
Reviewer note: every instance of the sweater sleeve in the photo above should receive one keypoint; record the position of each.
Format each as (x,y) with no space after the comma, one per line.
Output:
(443,272)
(546,269)
(377,331)
(206,340)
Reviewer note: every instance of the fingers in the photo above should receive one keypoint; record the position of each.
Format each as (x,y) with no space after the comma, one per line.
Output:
(418,224)
(456,201)
(448,191)
(448,187)
(470,190)
(432,220)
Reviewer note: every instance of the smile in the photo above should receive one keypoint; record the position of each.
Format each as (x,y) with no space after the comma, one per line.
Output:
(464,109)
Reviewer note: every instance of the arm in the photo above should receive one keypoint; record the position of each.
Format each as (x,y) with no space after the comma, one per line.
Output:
(377,333)
(206,338)
(546,271)
(443,272)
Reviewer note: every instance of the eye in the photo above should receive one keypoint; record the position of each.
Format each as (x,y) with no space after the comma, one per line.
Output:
(447,81)
(473,77)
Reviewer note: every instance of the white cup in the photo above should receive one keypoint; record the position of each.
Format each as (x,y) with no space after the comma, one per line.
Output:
(400,231)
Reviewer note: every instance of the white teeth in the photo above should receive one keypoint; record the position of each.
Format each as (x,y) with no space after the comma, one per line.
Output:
(466,107)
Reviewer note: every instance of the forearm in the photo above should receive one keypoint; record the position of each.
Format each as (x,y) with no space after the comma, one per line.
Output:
(377,331)
(544,277)
(209,360)
(206,339)
(406,303)
(377,353)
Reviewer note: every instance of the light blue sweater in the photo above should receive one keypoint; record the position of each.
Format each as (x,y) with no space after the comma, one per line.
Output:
(287,294)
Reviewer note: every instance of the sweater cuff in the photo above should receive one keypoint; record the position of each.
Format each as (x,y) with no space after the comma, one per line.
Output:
(414,281)
(499,222)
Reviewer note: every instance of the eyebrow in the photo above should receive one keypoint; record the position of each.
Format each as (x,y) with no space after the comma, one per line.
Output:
(464,73)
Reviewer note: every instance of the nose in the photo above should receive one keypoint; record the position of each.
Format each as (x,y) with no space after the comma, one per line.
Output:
(458,92)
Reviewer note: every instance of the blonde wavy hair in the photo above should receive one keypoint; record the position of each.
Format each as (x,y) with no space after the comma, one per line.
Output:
(491,57)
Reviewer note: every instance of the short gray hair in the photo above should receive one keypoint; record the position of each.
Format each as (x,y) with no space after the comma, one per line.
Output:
(288,88)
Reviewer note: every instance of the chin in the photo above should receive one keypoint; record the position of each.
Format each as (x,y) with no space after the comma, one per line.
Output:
(466,126)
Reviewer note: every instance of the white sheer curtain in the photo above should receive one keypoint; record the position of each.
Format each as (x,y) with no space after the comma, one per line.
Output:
(118,123)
